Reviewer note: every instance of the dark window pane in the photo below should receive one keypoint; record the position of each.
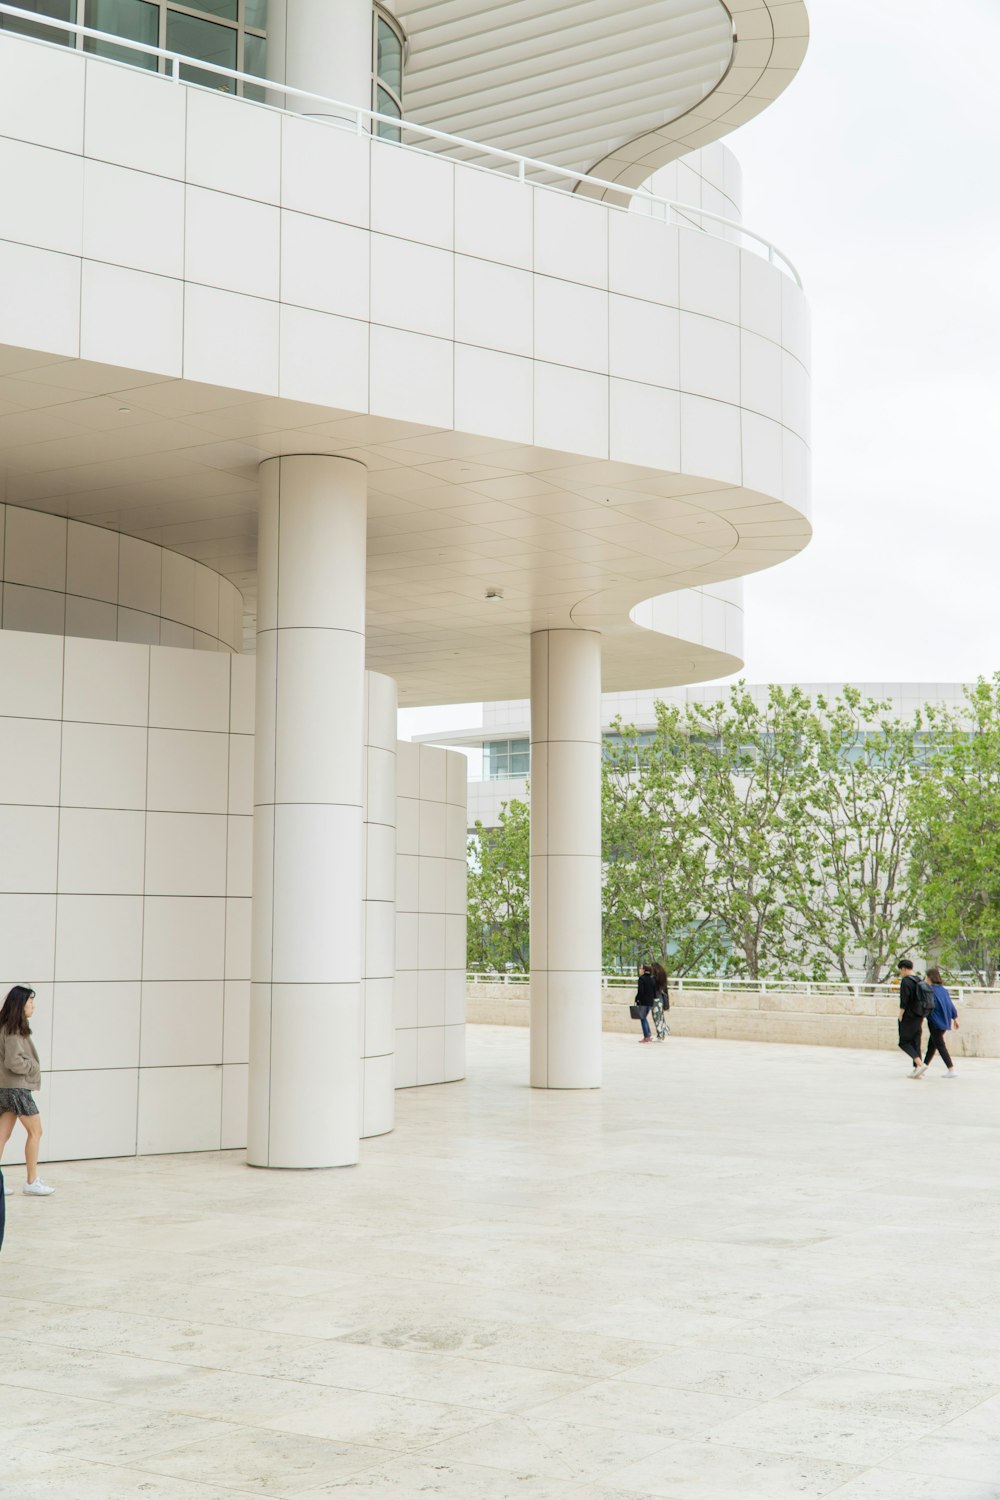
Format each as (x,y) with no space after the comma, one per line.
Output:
(60,10)
(389,66)
(224,8)
(203,40)
(130,18)
(254,61)
(385,104)
(256,14)
(519,764)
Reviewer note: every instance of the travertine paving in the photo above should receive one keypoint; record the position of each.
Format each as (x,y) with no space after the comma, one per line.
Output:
(739,1272)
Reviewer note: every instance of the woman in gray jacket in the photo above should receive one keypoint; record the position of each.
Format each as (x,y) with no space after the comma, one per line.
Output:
(20,1075)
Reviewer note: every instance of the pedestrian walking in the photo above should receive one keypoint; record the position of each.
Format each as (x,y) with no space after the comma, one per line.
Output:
(20,1076)
(645,995)
(942,1019)
(916,1001)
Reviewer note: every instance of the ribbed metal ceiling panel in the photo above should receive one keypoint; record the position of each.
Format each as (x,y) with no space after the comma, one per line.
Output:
(598,85)
(561,77)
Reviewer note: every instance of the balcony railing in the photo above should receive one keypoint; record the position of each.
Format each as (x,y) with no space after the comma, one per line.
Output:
(335,113)
(723,986)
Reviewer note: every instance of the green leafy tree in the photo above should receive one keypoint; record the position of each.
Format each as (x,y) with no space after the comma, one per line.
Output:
(654,866)
(956,808)
(498,902)
(847,880)
(745,802)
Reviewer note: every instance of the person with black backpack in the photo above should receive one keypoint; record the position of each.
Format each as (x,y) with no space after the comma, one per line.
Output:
(916,1002)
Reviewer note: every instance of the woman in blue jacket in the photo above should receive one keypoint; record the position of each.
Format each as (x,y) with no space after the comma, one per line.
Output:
(942,1018)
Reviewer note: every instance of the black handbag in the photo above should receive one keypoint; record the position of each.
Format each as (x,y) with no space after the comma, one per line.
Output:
(635,1012)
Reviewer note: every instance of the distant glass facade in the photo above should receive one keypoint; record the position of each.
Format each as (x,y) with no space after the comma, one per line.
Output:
(505,759)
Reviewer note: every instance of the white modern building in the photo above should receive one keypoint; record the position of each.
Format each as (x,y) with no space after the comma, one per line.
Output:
(308,411)
(503,739)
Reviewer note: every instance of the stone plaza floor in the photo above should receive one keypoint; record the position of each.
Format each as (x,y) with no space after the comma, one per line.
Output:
(738,1272)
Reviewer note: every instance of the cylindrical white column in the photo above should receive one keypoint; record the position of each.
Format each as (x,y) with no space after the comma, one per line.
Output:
(324,46)
(305,1018)
(378,1034)
(566,859)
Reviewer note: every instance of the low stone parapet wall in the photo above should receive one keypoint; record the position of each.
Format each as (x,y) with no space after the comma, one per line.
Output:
(815,1020)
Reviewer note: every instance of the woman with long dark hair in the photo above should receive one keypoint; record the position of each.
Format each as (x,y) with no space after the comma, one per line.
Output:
(20,1075)
(662,1001)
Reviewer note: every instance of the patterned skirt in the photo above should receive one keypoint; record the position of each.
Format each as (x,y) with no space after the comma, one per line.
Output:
(17,1102)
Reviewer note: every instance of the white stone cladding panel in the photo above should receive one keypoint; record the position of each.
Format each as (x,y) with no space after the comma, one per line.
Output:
(430,915)
(60,577)
(379,907)
(403,333)
(125,827)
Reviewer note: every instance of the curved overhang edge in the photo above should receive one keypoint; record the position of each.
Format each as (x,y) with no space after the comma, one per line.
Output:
(770,40)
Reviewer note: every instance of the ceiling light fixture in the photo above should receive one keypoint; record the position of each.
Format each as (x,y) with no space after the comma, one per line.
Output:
(494,593)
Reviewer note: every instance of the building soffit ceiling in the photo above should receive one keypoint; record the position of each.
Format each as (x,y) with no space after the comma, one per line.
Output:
(454,517)
(565,541)
(615,88)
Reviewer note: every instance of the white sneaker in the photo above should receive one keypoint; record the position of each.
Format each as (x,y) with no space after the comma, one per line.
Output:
(920,1071)
(950,1073)
(37,1189)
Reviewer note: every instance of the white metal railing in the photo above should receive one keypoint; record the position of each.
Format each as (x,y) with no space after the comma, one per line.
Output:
(725,986)
(351,115)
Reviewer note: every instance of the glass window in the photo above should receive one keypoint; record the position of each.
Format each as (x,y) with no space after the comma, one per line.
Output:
(507,758)
(204,40)
(129,18)
(254,61)
(224,8)
(255,14)
(59,10)
(385,104)
(389,59)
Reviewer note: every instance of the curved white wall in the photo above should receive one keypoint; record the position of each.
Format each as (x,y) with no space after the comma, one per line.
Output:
(711,178)
(201,246)
(125,824)
(430,915)
(711,616)
(126,802)
(64,577)
(378,1032)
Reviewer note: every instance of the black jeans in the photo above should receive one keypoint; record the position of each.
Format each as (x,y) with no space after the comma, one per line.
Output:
(3,1211)
(909,1036)
(936,1043)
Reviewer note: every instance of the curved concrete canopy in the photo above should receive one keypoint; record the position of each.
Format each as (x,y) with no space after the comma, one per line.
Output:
(564,539)
(616,88)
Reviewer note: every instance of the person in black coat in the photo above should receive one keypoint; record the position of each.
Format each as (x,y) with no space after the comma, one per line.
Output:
(911,1019)
(644,996)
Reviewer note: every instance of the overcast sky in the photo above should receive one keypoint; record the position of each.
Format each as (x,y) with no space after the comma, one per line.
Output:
(877,172)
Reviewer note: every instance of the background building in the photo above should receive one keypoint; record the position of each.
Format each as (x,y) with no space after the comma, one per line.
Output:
(407,412)
(499,772)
